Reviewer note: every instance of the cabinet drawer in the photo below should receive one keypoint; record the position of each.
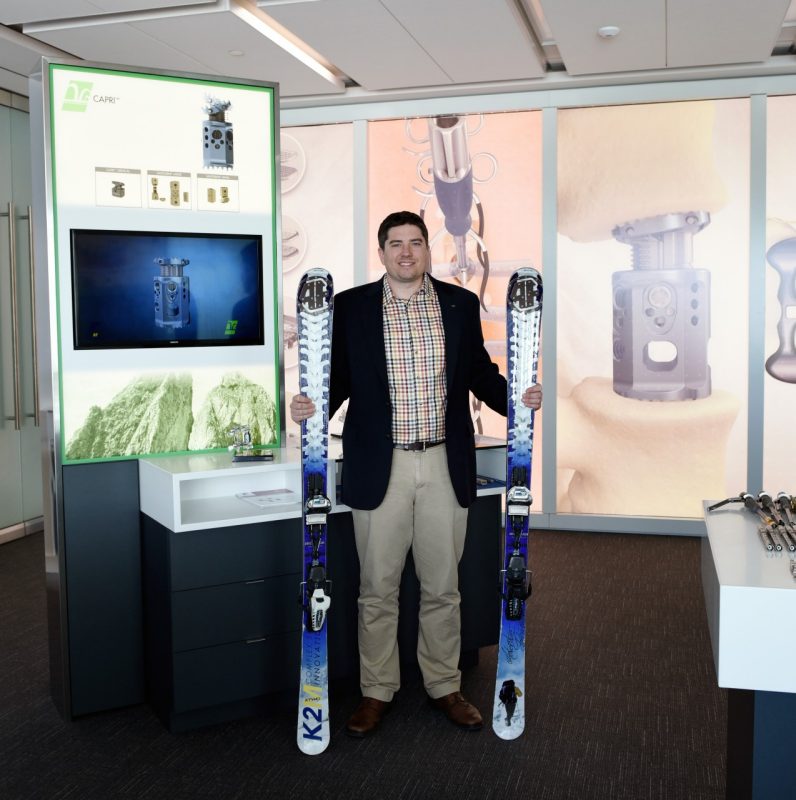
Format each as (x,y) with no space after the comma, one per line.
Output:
(235,612)
(236,671)
(236,554)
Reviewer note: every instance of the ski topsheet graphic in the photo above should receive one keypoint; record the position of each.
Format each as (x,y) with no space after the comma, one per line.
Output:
(523,327)
(314,314)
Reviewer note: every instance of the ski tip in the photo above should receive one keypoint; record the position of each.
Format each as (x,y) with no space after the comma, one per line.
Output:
(318,274)
(524,291)
(315,293)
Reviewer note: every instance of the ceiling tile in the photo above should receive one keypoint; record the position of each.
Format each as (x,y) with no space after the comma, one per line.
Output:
(470,46)
(640,44)
(722,31)
(119,43)
(364,40)
(15,12)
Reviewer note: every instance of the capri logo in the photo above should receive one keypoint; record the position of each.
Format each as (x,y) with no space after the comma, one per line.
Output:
(78,93)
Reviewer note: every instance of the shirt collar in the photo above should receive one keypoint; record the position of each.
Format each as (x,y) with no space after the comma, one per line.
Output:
(425,288)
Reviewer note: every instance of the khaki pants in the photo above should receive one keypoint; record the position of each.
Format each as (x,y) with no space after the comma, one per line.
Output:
(419,511)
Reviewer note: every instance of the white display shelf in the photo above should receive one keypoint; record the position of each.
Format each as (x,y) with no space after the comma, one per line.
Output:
(490,462)
(750,598)
(196,492)
(185,493)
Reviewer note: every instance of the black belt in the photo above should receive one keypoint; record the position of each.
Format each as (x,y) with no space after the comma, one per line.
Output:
(418,445)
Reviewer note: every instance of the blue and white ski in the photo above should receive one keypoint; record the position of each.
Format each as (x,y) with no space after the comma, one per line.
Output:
(523,327)
(314,314)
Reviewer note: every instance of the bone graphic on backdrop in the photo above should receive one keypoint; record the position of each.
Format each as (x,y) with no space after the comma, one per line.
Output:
(632,162)
(662,458)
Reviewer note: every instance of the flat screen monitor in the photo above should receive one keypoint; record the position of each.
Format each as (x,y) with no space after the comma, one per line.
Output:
(143,289)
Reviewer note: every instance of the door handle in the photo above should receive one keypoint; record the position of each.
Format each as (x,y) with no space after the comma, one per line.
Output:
(34,342)
(12,259)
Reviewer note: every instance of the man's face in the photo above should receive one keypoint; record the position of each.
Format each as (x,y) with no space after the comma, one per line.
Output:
(405,255)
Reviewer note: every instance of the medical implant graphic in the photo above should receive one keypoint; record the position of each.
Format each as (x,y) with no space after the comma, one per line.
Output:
(781,364)
(447,168)
(217,143)
(172,290)
(651,440)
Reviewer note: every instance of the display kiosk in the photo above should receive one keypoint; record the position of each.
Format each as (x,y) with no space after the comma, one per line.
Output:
(750,597)
(221,572)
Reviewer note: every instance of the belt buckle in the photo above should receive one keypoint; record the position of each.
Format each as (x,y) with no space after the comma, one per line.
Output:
(417,447)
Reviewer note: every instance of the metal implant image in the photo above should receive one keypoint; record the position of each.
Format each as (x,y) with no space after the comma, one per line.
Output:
(217,134)
(172,293)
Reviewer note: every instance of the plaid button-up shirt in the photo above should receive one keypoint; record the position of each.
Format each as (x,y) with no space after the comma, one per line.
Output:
(414,343)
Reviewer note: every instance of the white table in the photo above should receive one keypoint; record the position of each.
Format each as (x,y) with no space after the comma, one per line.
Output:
(750,597)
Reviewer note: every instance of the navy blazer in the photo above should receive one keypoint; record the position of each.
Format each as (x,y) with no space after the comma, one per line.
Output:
(359,374)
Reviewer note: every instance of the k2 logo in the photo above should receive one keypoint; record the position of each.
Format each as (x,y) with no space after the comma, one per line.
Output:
(232,324)
(77,96)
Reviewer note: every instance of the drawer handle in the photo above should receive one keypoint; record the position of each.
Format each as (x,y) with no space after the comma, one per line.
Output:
(255,641)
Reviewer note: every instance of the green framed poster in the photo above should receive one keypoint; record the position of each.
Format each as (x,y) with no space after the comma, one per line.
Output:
(165,207)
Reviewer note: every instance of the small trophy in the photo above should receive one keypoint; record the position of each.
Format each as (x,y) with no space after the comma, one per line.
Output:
(242,448)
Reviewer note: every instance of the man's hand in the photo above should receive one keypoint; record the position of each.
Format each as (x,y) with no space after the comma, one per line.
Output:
(532,397)
(301,408)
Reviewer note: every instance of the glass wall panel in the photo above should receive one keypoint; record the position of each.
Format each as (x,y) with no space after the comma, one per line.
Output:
(317,165)
(780,314)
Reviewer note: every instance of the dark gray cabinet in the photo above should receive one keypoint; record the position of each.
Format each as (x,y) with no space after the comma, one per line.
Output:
(223,622)
(99,583)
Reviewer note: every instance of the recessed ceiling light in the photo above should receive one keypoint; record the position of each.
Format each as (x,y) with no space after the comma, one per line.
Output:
(235,52)
(608,31)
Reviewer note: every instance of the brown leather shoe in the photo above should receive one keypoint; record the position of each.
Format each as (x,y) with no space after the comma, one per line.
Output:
(459,711)
(367,717)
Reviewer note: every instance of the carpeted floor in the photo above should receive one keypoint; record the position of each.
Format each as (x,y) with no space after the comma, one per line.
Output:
(621,702)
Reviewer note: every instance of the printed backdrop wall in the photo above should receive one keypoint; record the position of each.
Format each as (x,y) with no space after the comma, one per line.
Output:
(653,273)
(317,227)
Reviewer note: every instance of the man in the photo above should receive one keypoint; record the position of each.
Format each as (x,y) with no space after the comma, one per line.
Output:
(406,352)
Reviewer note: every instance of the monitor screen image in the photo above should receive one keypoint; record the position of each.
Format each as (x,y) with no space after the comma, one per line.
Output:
(141,289)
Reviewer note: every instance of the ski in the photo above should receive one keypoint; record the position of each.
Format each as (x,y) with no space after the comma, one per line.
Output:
(314,314)
(523,328)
